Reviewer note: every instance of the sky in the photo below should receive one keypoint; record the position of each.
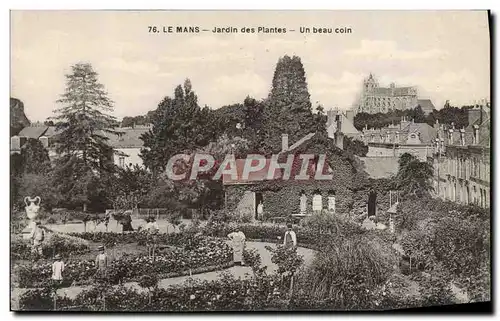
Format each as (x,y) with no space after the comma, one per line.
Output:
(445,54)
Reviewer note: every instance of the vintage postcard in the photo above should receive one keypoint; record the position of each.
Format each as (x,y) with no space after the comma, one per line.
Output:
(176,161)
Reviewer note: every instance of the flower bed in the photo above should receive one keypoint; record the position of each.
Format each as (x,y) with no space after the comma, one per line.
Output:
(225,294)
(209,253)
(110,239)
(55,243)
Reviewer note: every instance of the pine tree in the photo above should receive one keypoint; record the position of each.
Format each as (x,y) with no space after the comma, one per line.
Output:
(82,124)
(83,120)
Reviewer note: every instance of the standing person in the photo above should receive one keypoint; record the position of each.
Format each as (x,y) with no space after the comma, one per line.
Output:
(57,270)
(238,242)
(290,239)
(152,235)
(260,211)
(37,238)
(127,222)
(101,262)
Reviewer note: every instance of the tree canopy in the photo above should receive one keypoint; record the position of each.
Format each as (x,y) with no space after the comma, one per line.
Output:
(414,177)
(179,125)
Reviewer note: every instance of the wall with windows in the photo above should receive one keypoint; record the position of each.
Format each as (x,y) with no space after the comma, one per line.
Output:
(128,157)
(462,175)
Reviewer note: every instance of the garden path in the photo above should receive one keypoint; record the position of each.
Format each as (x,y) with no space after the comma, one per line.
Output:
(236,271)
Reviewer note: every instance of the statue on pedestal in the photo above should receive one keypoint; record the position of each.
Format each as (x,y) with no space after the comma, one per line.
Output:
(32,208)
(36,232)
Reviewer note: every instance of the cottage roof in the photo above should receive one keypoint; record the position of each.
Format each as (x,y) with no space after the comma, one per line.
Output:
(33,131)
(129,137)
(427,133)
(258,176)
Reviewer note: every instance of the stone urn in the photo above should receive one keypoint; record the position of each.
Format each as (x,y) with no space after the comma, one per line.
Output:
(32,210)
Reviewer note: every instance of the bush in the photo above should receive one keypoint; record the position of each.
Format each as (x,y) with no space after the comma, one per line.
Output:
(346,271)
(224,294)
(54,244)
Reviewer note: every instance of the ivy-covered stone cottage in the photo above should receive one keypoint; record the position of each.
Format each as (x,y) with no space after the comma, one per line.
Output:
(262,195)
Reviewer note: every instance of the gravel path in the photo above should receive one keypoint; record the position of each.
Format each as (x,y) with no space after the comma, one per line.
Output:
(237,271)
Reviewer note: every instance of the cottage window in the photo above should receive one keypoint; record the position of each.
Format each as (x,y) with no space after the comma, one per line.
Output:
(331,202)
(121,161)
(317,202)
(303,203)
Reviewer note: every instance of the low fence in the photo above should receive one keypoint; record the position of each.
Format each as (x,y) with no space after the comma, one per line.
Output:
(160,213)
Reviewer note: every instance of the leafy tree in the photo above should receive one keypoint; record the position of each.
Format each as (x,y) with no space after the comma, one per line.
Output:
(355,147)
(180,125)
(133,121)
(37,185)
(417,115)
(414,177)
(83,122)
(34,157)
(449,115)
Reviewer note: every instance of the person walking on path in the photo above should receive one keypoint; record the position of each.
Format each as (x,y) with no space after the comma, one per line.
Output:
(57,269)
(238,243)
(290,239)
(101,262)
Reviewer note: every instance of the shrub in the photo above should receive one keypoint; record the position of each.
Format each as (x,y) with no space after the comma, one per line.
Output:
(62,244)
(346,271)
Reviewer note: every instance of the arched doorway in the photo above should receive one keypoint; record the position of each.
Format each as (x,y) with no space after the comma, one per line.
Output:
(259,206)
(372,203)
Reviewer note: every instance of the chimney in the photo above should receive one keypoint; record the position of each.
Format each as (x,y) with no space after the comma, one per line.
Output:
(349,114)
(462,137)
(476,135)
(284,142)
(338,120)
(330,117)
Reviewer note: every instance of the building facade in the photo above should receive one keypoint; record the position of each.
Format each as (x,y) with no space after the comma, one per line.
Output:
(127,145)
(462,161)
(416,139)
(375,99)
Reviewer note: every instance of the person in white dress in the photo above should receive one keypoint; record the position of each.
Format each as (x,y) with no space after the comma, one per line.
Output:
(238,243)
(290,239)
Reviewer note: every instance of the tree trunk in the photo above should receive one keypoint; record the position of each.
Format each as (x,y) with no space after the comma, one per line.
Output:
(85,207)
